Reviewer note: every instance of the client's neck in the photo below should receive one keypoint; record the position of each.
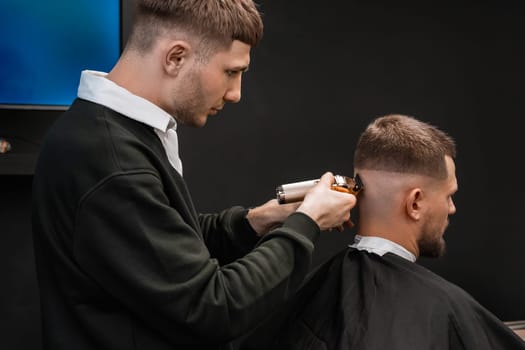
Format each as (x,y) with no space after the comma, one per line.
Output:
(398,235)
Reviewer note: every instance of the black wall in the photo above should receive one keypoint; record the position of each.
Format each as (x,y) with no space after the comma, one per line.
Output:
(322,73)
(319,76)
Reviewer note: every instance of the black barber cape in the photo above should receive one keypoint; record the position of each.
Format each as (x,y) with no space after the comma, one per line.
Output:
(359,300)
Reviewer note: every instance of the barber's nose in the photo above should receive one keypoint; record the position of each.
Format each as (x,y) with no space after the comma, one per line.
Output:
(233,94)
(452,208)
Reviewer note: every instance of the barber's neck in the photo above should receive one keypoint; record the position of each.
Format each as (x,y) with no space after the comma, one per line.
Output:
(138,74)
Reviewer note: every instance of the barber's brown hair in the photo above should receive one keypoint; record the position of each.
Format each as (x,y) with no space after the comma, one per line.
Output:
(216,23)
(404,144)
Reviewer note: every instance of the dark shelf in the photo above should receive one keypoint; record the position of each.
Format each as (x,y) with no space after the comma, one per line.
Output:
(24,129)
(20,160)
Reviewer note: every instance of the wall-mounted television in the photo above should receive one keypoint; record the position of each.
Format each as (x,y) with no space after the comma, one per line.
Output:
(44,46)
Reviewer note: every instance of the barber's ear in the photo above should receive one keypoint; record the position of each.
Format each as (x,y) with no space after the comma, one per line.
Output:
(414,204)
(176,56)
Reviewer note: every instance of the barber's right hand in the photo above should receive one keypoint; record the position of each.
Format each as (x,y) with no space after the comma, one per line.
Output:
(328,208)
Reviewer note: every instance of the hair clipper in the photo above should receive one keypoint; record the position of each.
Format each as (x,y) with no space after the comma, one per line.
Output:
(295,192)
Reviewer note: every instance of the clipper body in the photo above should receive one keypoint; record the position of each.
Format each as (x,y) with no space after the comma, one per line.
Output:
(295,192)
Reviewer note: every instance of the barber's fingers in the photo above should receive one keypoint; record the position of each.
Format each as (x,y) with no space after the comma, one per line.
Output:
(328,208)
(327,179)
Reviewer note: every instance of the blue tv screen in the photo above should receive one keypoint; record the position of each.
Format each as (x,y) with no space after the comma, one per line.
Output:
(44,46)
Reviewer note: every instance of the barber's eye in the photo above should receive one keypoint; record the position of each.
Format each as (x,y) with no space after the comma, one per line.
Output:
(232,73)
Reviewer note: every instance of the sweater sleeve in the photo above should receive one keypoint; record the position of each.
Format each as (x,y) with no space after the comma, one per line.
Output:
(228,235)
(138,249)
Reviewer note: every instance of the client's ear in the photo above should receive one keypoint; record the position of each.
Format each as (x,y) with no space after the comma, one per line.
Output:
(414,203)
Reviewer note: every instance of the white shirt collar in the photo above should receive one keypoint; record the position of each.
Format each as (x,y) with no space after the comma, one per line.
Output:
(381,246)
(95,87)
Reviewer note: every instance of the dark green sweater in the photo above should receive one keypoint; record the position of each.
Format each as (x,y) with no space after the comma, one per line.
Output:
(124,261)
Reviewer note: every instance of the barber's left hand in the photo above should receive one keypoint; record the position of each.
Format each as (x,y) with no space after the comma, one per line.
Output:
(270,215)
